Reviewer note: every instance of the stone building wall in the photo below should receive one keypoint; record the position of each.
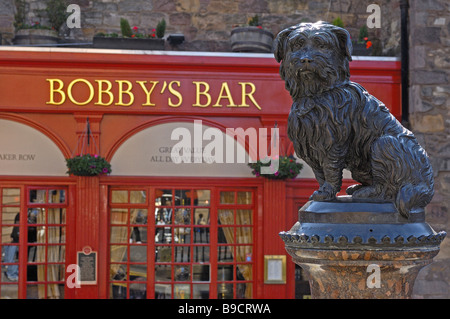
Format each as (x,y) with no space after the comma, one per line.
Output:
(207,24)
(430,121)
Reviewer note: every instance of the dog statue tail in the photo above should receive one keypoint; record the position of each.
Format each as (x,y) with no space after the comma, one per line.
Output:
(413,196)
(419,190)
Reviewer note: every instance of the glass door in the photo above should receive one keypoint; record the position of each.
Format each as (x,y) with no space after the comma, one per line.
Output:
(181,243)
(33,230)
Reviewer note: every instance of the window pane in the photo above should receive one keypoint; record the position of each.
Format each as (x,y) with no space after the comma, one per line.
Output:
(182,254)
(182,197)
(138,235)
(119,216)
(200,291)
(201,253)
(163,291)
(139,216)
(56,235)
(138,291)
(119,234)
(244,197)
(225,291)
(225,254)
(181,291)
(118,197)
(11,196)
(244,272)
(163,235)
(9,291)
(57,196)
(118,253)
(225,235)
(163,253)
(163,273)
(201,235)
(55,272)
(202,197)
(225,272)
(163,197)
(182,235)
(36,216)
(183,216)
(226,216)
(244,253)
(138,272)
(163,216)
(118,272)
(37,196)
(138,197)
(200,273)
(182,272)
(244,217)
(10,215)
(244,235)
(227,197)
(201,216)
(244,291)
(138,253)
(10,234)
(56,216)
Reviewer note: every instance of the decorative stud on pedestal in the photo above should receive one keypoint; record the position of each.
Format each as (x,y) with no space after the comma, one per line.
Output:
(373,243)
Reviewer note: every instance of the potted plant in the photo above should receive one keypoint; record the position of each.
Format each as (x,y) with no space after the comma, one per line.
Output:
(251,38)
(88,165)
(36,33)
(132,38)
(288,167)
(363,46)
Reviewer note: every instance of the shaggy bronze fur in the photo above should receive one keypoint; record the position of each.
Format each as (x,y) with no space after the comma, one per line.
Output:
(336,124)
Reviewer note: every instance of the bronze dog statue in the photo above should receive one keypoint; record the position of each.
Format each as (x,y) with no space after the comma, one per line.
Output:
(336,124)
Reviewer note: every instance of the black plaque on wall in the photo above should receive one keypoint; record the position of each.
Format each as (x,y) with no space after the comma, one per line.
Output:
(87,263)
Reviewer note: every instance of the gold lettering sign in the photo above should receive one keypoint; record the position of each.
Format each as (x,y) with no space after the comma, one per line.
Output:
(124,93)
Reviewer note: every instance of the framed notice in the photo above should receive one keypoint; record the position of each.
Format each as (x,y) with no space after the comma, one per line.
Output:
(275,269)
(87,266)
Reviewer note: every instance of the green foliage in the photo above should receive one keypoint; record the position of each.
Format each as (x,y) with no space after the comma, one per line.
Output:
(338,22)
(161,29)
(363,33)
(287,168)
(254,21)
(125,28)
(88,165)
(19,17)
(56,13)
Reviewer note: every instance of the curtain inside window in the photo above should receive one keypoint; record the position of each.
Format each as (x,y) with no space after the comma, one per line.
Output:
(243,236)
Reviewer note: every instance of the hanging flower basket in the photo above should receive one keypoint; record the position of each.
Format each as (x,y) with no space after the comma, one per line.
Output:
(287,168)
(88,165)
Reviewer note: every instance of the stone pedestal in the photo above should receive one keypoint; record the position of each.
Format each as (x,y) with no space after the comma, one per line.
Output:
(352,249)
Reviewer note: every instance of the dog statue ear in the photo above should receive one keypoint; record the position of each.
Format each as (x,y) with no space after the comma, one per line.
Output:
(344,41)
(279,44)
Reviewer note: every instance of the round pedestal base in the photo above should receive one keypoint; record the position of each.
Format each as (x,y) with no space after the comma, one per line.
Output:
(360,250)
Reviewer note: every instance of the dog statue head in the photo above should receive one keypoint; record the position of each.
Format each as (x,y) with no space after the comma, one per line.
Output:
(314,57)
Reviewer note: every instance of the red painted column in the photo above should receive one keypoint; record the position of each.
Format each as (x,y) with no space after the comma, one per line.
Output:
(87,225)
(274,222)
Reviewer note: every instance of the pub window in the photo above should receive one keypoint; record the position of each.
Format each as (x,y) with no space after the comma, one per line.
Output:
(182,244)
(170,243)
(46,243)
(9,245)
(235,245)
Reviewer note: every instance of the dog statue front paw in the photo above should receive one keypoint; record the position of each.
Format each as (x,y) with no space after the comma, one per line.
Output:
(325,193)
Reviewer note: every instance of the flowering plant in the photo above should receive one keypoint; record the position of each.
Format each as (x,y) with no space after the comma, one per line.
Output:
(287,168)
(88,165)
(252,22)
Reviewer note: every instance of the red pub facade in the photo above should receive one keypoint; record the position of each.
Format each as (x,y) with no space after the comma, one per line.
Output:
(152,228)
